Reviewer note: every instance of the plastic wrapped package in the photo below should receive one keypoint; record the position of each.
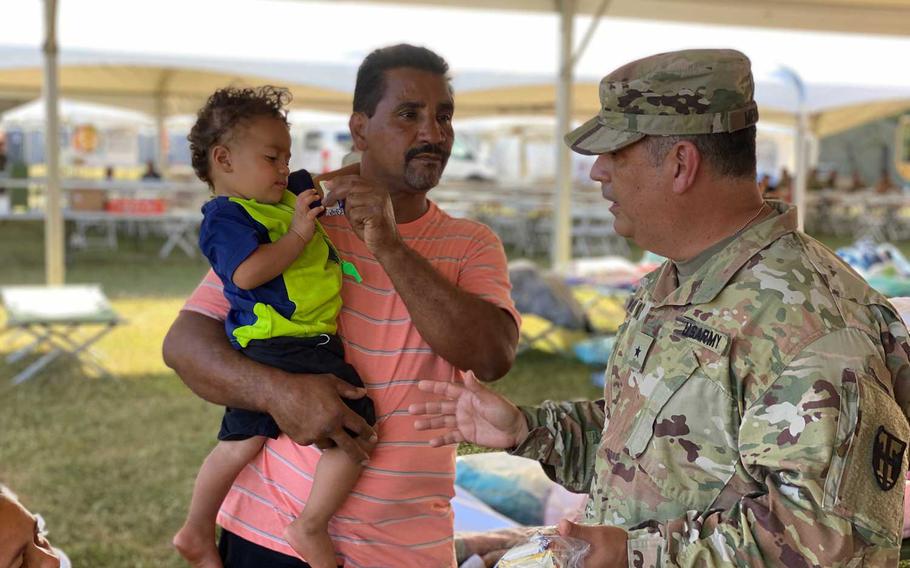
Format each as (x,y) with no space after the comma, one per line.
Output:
(546,549)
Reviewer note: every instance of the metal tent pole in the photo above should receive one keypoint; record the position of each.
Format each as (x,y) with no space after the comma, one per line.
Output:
(801,143)
(562,211)
(54,251)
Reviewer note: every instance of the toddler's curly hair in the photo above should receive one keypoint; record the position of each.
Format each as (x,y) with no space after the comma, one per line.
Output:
(227,109)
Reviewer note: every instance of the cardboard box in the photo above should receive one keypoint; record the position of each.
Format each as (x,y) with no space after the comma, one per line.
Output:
(88,199)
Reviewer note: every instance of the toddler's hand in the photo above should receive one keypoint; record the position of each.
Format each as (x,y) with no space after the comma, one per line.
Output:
(304,221)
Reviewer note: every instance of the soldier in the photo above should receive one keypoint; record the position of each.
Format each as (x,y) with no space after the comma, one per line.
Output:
(755,405)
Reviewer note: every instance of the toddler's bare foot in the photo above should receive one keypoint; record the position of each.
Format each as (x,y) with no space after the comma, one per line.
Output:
(312,542)
(197,547)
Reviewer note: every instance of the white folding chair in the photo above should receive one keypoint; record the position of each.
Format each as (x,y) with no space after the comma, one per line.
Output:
(64,320)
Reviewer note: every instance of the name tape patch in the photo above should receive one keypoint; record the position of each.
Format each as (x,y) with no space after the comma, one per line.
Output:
(702,335)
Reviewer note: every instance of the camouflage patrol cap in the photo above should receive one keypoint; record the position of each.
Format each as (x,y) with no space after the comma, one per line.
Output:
(695,91)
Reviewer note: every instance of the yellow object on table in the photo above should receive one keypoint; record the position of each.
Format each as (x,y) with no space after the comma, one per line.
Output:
(605,312)
(542,334)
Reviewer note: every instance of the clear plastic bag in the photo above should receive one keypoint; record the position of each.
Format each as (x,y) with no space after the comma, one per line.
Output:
(546,549)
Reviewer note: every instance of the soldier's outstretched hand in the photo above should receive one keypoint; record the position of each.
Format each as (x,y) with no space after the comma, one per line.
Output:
(469,413)
(609,545)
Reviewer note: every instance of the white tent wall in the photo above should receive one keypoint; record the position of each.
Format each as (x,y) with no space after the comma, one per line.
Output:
(114,132)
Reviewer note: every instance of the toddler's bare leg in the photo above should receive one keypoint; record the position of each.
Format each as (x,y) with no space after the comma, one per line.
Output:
(336,475)
(195,541)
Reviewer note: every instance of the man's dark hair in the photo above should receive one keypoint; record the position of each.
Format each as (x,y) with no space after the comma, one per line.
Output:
(227,109)
(730,154)
(370,86)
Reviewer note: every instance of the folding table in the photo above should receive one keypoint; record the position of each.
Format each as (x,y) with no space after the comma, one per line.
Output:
(65,320)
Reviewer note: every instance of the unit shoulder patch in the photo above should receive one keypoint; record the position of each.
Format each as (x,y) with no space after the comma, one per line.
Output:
(887,458)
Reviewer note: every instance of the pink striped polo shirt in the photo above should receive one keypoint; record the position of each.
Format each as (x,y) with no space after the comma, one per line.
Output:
(399,512)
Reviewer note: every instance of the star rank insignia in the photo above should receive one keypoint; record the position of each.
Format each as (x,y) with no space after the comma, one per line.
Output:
(638,352)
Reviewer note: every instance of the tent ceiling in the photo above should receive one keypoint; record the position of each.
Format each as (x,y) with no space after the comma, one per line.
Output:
(854,106)
(891,17)
(138,87)
(11,102)
(184,90)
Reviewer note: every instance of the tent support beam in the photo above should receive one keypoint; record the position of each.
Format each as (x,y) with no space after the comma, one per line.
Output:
(160,136)
(802,166)
(592,29)
(802,147)
(561,252)
(161,99)
(54,264)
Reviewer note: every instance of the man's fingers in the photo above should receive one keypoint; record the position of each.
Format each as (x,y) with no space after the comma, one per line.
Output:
(356,424)
(447,439)
(351,169)
(349,446)
(567,528)
(450,390)
(335,191)
(418,408)
(491,558)
(314,212)
(339,188)
(472,384)
(349,391)
(435,423)
(332,199)
(433,407)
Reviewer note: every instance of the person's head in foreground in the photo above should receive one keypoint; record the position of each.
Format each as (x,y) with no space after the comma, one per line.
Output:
(675,139)
(22,542)
(241,143)
(402,119)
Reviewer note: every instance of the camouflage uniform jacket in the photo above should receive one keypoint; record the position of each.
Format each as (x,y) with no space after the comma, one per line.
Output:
(753,416)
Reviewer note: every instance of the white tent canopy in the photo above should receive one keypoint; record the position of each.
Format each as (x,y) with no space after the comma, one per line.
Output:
(832,108)
(890,17)
(857,16)
(169,85)
(172,85)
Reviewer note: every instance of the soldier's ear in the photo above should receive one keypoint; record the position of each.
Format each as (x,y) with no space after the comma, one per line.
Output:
(359,124)
(684,161)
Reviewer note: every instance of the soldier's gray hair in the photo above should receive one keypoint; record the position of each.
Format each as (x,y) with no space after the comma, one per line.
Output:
(730,154)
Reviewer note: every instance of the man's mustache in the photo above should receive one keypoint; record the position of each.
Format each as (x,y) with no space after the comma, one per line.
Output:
(425,149)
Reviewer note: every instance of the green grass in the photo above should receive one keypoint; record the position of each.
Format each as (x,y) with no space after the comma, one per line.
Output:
(109,462)
(133,270)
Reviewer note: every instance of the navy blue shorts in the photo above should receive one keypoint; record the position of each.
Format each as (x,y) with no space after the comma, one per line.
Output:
(312,355)
(237,552)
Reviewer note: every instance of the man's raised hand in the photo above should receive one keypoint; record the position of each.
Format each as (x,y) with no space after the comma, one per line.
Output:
(368,209)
